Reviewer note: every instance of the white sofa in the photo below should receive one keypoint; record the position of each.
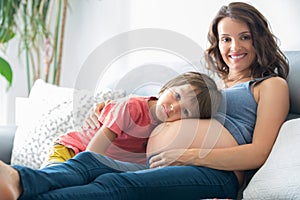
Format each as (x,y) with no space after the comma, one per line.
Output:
(50,111)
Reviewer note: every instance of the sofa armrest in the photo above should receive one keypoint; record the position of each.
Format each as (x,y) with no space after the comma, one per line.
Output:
(7,134)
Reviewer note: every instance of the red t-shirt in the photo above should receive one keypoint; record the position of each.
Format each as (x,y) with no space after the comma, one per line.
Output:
(130,119)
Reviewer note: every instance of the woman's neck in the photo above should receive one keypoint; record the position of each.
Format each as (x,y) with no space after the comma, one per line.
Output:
(235,78)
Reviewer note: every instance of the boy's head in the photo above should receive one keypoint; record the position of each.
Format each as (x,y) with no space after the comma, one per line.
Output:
(189,95)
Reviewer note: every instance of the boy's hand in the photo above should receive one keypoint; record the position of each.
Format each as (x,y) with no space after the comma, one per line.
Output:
(91,120)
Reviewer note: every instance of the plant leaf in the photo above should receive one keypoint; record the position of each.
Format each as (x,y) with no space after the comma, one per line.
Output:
(6,35)
(5,71)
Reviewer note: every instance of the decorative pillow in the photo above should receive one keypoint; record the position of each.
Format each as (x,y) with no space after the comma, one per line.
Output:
(60,113)
(279,177)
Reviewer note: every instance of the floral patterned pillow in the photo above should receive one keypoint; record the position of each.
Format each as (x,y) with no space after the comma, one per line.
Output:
(32,142)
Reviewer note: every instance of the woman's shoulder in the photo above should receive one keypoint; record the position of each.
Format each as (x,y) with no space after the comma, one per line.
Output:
(273,87)
(274,82)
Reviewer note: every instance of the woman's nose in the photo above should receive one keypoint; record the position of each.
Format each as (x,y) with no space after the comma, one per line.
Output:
(235,45)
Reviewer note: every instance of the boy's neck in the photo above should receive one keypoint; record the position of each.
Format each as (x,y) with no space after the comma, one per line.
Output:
(152,109)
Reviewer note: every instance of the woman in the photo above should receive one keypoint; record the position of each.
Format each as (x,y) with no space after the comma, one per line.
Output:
(255,103)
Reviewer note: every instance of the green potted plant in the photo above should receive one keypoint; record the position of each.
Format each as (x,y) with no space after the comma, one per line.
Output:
(6,71)
(39,24)
(7,14)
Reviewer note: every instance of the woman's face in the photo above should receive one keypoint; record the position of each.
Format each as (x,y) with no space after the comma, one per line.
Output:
(235,44)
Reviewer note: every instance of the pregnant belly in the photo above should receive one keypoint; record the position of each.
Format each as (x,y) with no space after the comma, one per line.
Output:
(189,133)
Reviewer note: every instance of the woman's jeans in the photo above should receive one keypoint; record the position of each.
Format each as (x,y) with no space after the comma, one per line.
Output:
(92,176)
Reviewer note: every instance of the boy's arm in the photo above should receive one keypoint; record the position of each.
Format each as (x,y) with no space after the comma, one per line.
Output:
(101,141)
(92,118)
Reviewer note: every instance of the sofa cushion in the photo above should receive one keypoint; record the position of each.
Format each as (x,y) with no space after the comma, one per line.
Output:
(294,82)
(6,141)
(279,178)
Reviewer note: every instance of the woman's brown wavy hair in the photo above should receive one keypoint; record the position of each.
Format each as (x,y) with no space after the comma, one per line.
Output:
(270,60)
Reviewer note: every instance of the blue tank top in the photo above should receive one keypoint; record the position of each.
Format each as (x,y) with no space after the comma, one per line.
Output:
(237,111)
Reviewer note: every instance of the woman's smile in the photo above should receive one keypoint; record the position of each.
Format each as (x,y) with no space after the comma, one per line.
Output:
(237,57)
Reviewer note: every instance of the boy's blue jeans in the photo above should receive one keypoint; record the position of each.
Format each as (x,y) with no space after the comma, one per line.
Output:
(92,176)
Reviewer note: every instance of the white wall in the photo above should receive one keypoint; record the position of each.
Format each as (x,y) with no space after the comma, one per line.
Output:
(92,22)
(89,23)
(192,17)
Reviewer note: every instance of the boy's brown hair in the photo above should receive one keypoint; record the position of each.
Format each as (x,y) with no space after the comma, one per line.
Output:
(206,92)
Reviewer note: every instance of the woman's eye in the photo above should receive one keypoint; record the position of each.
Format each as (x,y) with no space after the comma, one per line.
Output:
(246,37)
(225,39)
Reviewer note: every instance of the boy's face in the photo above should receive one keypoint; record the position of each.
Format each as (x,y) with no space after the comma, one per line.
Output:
(176,103)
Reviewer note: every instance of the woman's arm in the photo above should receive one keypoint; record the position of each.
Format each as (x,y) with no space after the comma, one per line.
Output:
(101,141)
(273,105)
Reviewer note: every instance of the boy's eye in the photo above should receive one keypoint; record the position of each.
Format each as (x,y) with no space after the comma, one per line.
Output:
(178,97)
(185,112)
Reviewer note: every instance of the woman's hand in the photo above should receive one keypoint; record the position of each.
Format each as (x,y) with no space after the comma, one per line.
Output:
(174,157)
(92,119)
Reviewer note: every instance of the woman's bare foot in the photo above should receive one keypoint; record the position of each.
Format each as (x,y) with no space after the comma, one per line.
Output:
(10,188)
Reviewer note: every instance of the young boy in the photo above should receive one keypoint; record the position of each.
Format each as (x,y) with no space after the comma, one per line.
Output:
(125,124)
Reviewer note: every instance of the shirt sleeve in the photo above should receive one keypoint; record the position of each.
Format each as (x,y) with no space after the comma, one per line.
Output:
(121,115)
(76,140)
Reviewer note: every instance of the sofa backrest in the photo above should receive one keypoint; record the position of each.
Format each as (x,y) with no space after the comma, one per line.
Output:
(294,83)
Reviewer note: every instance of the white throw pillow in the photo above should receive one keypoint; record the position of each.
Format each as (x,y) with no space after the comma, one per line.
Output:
(59,110)
(279,177)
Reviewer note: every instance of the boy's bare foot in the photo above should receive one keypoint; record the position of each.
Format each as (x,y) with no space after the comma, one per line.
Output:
(10,188)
